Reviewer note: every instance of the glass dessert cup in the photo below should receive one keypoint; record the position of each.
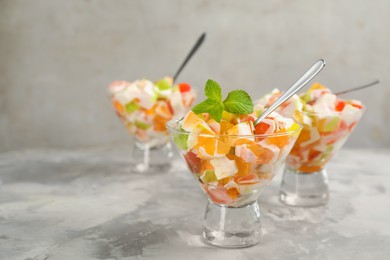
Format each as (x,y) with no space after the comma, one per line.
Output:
(151,149)
(305,180)
(144,108)
(232,183)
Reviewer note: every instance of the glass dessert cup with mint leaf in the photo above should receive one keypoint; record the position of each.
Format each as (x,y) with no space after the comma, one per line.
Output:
(327,121)
(232,160)
(144,108)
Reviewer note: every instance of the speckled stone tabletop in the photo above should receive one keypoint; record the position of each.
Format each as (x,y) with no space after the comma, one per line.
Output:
(87,204)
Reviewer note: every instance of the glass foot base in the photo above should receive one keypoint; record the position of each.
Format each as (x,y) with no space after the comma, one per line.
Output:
(232,227)
(151,159)
(304,189)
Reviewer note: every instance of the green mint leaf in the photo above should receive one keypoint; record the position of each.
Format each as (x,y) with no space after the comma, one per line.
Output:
(213,91)
(238,102)
(213,107)
(205,106)
(216,113)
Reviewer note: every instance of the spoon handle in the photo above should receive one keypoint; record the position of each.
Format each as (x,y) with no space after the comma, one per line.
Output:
(192,52)
(357,88)
(302,81)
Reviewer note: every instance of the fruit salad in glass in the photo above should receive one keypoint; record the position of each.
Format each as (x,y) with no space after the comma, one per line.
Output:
(327,122)
(144,107)
(232,160)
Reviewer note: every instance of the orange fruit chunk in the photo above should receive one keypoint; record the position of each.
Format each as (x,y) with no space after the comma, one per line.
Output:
(233,192)
(313,154)
(281,140)
(162,110)
(192,120)
(206,165)
(304,135)
(243,167)
(248,179)
(159,123)
(263,155)
(211,147)
(317,86)
(150,111)
(118,107)
(310,169)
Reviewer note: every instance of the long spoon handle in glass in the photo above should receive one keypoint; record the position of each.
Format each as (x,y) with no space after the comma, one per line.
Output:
(357,88)
(192,52)
(302,81)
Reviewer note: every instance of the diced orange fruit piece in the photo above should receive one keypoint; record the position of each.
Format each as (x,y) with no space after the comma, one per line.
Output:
(317,86)
(211,146)
(191,120)
(310,169)
(313,154)
(206,143)
(263,155)
(162,110)
(118,107)
(243,167)
(151,111)
(201,133)
(248,179)
(225,126)
(206,165)
(233,192)
(159,123)
(224,181)
(279,140)
(244,128)
(304,135)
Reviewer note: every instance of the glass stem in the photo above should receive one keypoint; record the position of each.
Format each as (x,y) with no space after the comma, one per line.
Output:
(232,227)
(147,156)
(304,189)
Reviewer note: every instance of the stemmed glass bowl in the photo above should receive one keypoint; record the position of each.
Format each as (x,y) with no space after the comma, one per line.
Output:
(305,180)
(232,183)
(144,108)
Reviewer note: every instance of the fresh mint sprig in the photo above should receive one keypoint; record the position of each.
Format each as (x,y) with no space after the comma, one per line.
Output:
(237,102)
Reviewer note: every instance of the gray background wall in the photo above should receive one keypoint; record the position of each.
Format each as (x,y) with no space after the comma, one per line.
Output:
(57,58)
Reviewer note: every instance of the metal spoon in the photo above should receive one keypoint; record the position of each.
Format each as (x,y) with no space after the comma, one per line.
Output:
(302,81)
(192,52)
(357,88)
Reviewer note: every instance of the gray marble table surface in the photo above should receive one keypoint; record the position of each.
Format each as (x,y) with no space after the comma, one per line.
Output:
(86,204)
